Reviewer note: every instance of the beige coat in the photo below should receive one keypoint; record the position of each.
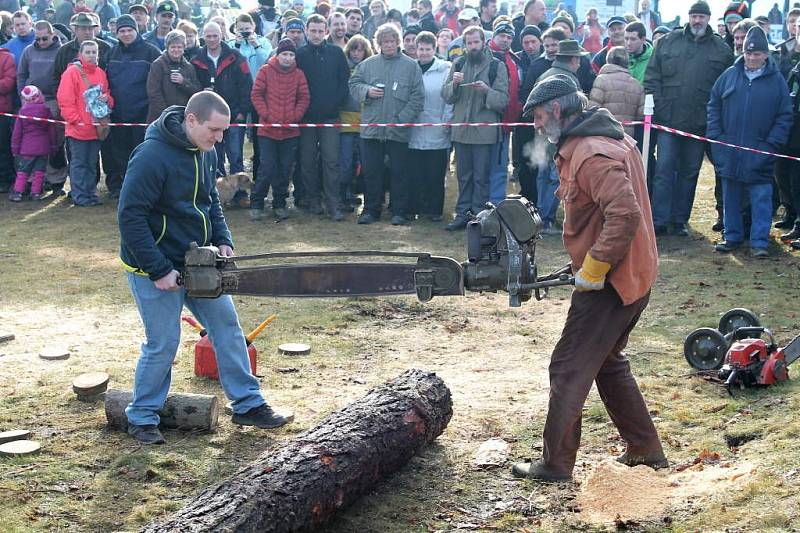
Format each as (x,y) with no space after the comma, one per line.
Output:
(619,92)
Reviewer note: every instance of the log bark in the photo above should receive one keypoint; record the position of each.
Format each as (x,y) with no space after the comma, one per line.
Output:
(328,467)
(181,411)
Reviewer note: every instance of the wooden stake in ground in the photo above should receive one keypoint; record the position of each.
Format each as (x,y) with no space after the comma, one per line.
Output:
(181,411)
(89,385)
(15,434)
(19,447)
(294,348)
(299,487)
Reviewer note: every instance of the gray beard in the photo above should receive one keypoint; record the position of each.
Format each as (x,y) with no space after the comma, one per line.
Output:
(552,131)
(698,33)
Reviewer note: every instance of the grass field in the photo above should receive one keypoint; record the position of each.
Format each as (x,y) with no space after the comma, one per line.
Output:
(61,285)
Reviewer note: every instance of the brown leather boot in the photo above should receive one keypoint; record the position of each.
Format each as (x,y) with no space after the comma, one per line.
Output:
(538,471)
(656,461)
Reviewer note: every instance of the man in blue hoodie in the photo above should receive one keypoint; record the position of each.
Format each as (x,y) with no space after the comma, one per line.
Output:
(23,29)
(128,67)
(169,199)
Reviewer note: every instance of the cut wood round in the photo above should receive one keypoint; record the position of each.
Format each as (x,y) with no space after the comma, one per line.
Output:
(181,411)
(6,336)
(299,487)
(54,353)
(90,384)
(19,447)
(294,348)
(15,434)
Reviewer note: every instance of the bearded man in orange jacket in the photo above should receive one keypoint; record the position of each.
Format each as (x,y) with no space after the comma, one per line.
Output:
(608,234)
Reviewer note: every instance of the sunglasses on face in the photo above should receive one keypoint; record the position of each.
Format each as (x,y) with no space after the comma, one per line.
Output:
(43,39)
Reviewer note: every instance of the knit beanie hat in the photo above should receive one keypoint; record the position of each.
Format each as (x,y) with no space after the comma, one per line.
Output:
(736,11)
(564,17)
(504,27)
(700,8)
(661,29)
(530,29)
(756,40)
(295,24)
(286,45)
(31,95)
(126,21)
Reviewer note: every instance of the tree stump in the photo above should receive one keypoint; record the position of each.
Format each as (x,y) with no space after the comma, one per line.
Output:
(181,411)
(328,467)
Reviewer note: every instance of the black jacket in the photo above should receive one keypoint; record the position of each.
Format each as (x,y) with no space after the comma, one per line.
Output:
(168,200)
(69,53)
(519,23)
(327,74)
(128,67)
(428,23)
(231,79)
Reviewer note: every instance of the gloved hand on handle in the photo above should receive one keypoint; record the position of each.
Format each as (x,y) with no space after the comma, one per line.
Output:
(592,274)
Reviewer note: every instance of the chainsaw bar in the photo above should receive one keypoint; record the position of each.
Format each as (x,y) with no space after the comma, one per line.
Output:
(322,280)
(792,350)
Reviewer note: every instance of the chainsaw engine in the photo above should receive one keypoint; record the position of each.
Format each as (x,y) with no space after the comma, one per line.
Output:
(501,244)
(751,362)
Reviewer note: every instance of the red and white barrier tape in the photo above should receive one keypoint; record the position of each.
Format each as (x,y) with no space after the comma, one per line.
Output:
(423,124)
(304,125)
(723,143)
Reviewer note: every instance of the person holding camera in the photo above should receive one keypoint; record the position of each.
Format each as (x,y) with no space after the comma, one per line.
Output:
(255,48)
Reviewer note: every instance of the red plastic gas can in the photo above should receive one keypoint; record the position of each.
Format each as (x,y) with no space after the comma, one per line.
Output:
(205,360)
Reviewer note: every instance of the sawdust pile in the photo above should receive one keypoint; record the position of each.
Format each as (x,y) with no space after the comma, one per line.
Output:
(614,490)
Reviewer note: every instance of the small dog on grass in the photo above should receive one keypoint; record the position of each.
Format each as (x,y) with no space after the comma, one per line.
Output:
(228,185)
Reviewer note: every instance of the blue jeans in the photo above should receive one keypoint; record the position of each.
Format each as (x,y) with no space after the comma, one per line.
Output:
(473,162)
(277,159)
(232,147)
(161,315)
(546,185)
(760,194)
(498,172)
(675,181)
(83,170)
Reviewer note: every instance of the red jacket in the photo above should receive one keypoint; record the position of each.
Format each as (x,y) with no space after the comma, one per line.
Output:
(71,102)
(8,81)
(280,96)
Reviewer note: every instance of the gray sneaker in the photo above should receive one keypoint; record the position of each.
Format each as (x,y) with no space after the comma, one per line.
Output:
(256,214)
(146,434)
(262,417)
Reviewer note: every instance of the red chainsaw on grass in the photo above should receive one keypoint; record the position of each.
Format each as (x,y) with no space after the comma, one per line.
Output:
(739,353)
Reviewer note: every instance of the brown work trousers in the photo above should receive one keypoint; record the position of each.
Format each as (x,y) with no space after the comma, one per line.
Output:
(590,349)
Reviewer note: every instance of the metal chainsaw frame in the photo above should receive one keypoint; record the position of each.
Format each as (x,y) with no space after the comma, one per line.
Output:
(501,250)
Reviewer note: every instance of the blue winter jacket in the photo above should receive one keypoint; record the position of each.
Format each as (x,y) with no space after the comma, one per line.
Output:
(127,71)
(756,114)
(168,200)
(17,45)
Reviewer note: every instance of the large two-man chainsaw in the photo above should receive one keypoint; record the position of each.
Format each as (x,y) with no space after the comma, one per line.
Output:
(501,246)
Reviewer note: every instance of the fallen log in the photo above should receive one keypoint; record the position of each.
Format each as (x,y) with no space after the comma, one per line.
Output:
(328,467)
(181,411)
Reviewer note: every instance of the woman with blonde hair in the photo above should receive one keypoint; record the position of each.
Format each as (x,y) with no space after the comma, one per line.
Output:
(356,50)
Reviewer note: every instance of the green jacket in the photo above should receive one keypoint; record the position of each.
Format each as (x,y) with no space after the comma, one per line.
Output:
(403,95)
(638,64)
(680,75)
(471,105)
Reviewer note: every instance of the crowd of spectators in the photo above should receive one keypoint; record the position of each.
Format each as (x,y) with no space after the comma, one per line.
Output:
(117,62)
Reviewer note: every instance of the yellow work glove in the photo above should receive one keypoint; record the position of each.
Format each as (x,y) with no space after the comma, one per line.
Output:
(592,275)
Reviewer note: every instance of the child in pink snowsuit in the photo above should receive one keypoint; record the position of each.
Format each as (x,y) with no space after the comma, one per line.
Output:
(31,143)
